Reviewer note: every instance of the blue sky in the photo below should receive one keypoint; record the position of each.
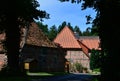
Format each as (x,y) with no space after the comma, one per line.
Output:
(66,11)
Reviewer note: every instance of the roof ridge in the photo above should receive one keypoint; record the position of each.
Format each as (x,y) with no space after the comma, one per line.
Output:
(70,38)
(35,36)
(60,32)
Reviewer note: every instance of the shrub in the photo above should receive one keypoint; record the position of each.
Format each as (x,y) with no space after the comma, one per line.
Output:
(79,67)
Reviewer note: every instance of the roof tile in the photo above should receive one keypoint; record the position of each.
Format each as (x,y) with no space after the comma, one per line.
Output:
(66,39)
(36,37)
(92,42)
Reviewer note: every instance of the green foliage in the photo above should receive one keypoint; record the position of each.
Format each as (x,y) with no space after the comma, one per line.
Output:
(52,32)
(77,29)
(69,25)
(64,23)
(95,59)
(89,18)
(24,9)
(13,14)
(62,26)
(96,70)
(87,32)
(94,30)
(79,67)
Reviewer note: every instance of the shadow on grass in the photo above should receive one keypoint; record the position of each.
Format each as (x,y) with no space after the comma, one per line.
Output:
(30,75)
(14,78)
(96,78)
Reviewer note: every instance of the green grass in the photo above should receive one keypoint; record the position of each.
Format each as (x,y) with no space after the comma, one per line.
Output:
(46,73)
(39,74)
(30,76)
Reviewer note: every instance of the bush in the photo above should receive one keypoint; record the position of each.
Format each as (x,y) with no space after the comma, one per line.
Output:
(85,70)
(79,67)
(96,70)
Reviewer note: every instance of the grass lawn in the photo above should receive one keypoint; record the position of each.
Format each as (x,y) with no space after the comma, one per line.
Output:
(31,75)
(46,74)
(38,75)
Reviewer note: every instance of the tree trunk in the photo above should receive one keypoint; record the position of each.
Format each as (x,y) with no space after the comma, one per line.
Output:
(109,34)
(12,44)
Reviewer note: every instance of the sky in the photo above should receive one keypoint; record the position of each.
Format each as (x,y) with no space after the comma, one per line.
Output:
(65,11)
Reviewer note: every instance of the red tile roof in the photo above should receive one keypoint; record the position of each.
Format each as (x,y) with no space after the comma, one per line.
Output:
(36,37)
(88,43)
(85,49)
(91,42)
(66,39)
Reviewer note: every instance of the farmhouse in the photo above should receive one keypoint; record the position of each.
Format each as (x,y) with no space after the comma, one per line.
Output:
(77,48)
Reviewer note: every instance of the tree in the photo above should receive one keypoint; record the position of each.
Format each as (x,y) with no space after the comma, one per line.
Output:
(107,21)
(52,32)
(14,14)
(62,26)
(77,30)
(64,23)
(69,25)
(94,30)
(87,32)
(95,58)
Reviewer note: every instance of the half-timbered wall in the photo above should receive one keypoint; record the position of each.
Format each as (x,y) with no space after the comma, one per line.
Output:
(79,57)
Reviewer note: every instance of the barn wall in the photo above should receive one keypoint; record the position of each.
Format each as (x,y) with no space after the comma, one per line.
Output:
(49,59)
